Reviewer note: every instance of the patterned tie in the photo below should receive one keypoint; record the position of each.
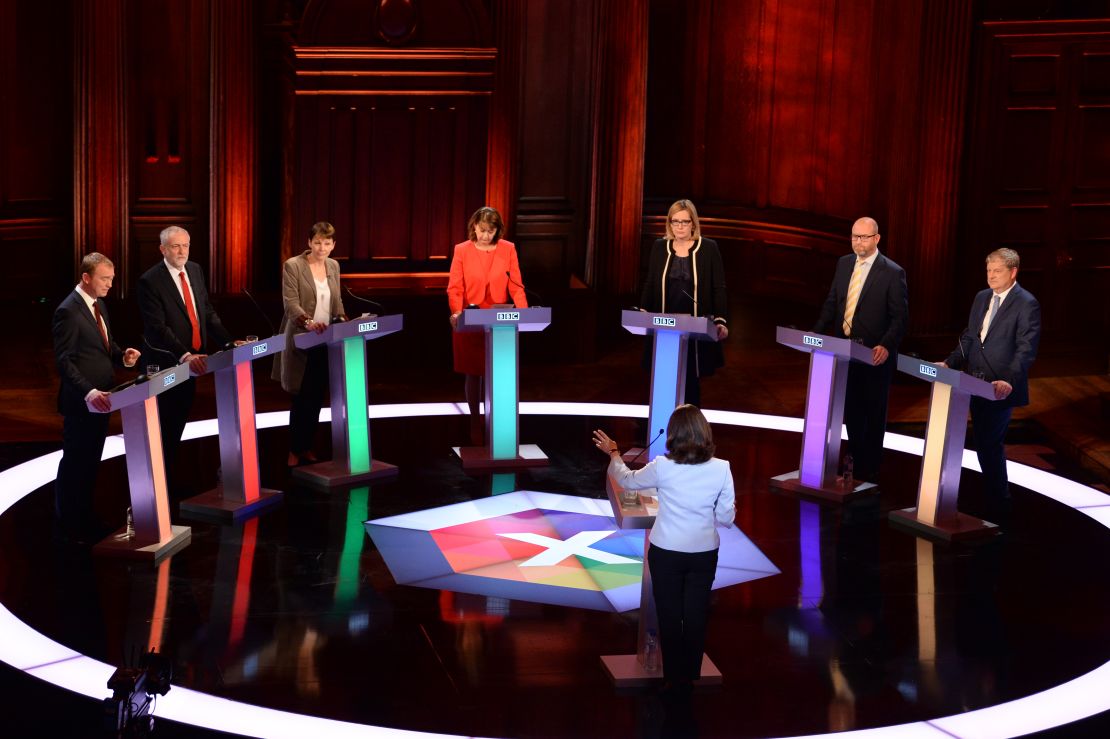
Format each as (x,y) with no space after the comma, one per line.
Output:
(188,296)
(100,325)
(853,296)
(989,317)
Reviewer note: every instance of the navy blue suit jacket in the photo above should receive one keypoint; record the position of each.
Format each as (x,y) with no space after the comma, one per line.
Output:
(882,310)
(1010,345)
(166,323)
(84,363)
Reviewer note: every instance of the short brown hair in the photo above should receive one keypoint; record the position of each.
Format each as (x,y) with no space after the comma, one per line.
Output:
(1009,257)
(488,216)
(689,438)
(676,206)
(323,229)
(92,260)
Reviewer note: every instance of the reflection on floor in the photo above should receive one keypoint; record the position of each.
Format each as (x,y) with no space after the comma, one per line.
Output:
(865,625)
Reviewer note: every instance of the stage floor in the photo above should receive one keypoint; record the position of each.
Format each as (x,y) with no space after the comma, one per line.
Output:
(865,625)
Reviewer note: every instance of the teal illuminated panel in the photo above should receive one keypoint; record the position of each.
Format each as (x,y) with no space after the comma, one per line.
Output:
(358,424)
(664,389)
(503,440)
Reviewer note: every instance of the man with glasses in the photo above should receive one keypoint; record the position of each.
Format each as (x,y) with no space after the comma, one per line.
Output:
(867,303)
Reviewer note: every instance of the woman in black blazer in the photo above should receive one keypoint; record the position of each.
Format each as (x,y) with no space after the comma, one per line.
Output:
(686,275)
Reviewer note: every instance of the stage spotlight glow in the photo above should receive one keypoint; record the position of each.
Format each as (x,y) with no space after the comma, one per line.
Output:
(27,650)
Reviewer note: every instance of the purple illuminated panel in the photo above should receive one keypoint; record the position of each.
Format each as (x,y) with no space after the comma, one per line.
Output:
(822,368)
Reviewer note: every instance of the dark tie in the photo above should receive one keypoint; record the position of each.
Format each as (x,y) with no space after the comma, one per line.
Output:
(100,325)
(188,296)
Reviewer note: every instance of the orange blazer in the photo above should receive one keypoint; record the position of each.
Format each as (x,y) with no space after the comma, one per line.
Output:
(469,278)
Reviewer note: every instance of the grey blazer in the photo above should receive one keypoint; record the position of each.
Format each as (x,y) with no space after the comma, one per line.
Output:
(298,296)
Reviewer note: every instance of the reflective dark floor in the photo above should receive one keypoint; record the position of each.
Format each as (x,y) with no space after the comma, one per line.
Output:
(866,626)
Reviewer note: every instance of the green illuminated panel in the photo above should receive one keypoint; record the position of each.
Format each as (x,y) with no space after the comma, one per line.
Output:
(503,390)
(346,585)
(358,424)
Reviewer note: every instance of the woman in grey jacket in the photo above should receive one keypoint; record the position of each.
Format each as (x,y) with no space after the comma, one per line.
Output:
(310,295)
(695,492)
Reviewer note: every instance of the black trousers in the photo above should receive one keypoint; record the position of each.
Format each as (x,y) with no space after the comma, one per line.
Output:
(304,413)
(682,583)
(989,421)
(83,436)
(865,414)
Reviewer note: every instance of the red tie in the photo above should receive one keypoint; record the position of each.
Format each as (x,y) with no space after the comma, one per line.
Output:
(100,325)
(190,310)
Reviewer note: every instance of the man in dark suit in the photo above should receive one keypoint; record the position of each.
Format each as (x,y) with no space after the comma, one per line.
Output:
(85,353)
(999,345)
(867,303)
(179,324)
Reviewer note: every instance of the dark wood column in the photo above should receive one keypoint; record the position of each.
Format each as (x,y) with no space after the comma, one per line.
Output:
(100,171)
(504,111)
(234,145)
(620,126)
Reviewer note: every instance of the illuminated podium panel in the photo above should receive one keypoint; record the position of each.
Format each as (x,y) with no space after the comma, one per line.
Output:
(153,536)
(351,460)
(938,489)
(637,511)
(239,492)
(669,333)
(824,416)
(502,327)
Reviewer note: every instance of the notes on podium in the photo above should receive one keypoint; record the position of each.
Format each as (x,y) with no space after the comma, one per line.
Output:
(938,488)
(239,493)
(351,460)
(669,333)
(153,536)
(637,510)
(824,415)
(502,326)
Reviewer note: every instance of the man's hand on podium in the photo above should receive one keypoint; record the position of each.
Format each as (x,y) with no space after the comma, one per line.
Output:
(941,364)
(130,357)
(879,355)
(101,400)
(722,332)
(1002,389)
(198,363)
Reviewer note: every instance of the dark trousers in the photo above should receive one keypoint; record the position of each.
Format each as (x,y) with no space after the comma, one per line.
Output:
(304,413)
(173,413)
(682,583)
(82,444)
(989,421)
(865,414)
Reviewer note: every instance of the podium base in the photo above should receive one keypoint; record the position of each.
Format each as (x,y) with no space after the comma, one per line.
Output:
(476,458)
(213,506)
(790,483)
(626,671)
(961,528)
(119,545)
(329,474)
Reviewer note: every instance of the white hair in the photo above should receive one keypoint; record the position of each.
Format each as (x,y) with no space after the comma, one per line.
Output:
(167,234)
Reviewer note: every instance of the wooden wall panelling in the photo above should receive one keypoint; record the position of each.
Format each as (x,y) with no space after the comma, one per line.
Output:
(168,96)
(502,158)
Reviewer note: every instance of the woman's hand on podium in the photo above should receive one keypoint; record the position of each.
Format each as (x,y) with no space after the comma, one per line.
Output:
(455,320)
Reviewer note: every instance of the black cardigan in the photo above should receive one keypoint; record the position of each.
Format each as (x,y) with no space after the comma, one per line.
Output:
(710,294)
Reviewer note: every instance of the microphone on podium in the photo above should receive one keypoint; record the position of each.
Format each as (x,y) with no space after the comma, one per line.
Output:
(526,290)
(261,312)
(360,299)
(637,457)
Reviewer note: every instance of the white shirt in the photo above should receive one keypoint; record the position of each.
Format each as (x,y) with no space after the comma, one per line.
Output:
(174,272)
(89,301)
(988,317)
(323,302)
(865,268)
(693,498)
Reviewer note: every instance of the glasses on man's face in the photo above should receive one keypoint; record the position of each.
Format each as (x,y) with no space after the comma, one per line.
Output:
(863,237)
(676,223)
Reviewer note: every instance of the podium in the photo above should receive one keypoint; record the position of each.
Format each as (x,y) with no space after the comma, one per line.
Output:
(153,536)
(350,419)
(824,417)
(938,489)
(630,670)
(670,334)
(239,493)
(502,326)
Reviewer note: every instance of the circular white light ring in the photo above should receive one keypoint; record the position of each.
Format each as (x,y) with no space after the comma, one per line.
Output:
(25,649)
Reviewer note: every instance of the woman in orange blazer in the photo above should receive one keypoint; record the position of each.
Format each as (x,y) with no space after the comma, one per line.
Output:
(484,273)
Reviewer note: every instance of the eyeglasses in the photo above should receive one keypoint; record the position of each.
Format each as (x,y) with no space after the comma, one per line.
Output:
(863,237)
(676,222)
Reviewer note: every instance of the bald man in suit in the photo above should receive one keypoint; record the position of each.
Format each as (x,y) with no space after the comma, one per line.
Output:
(86,355)
(868,304)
